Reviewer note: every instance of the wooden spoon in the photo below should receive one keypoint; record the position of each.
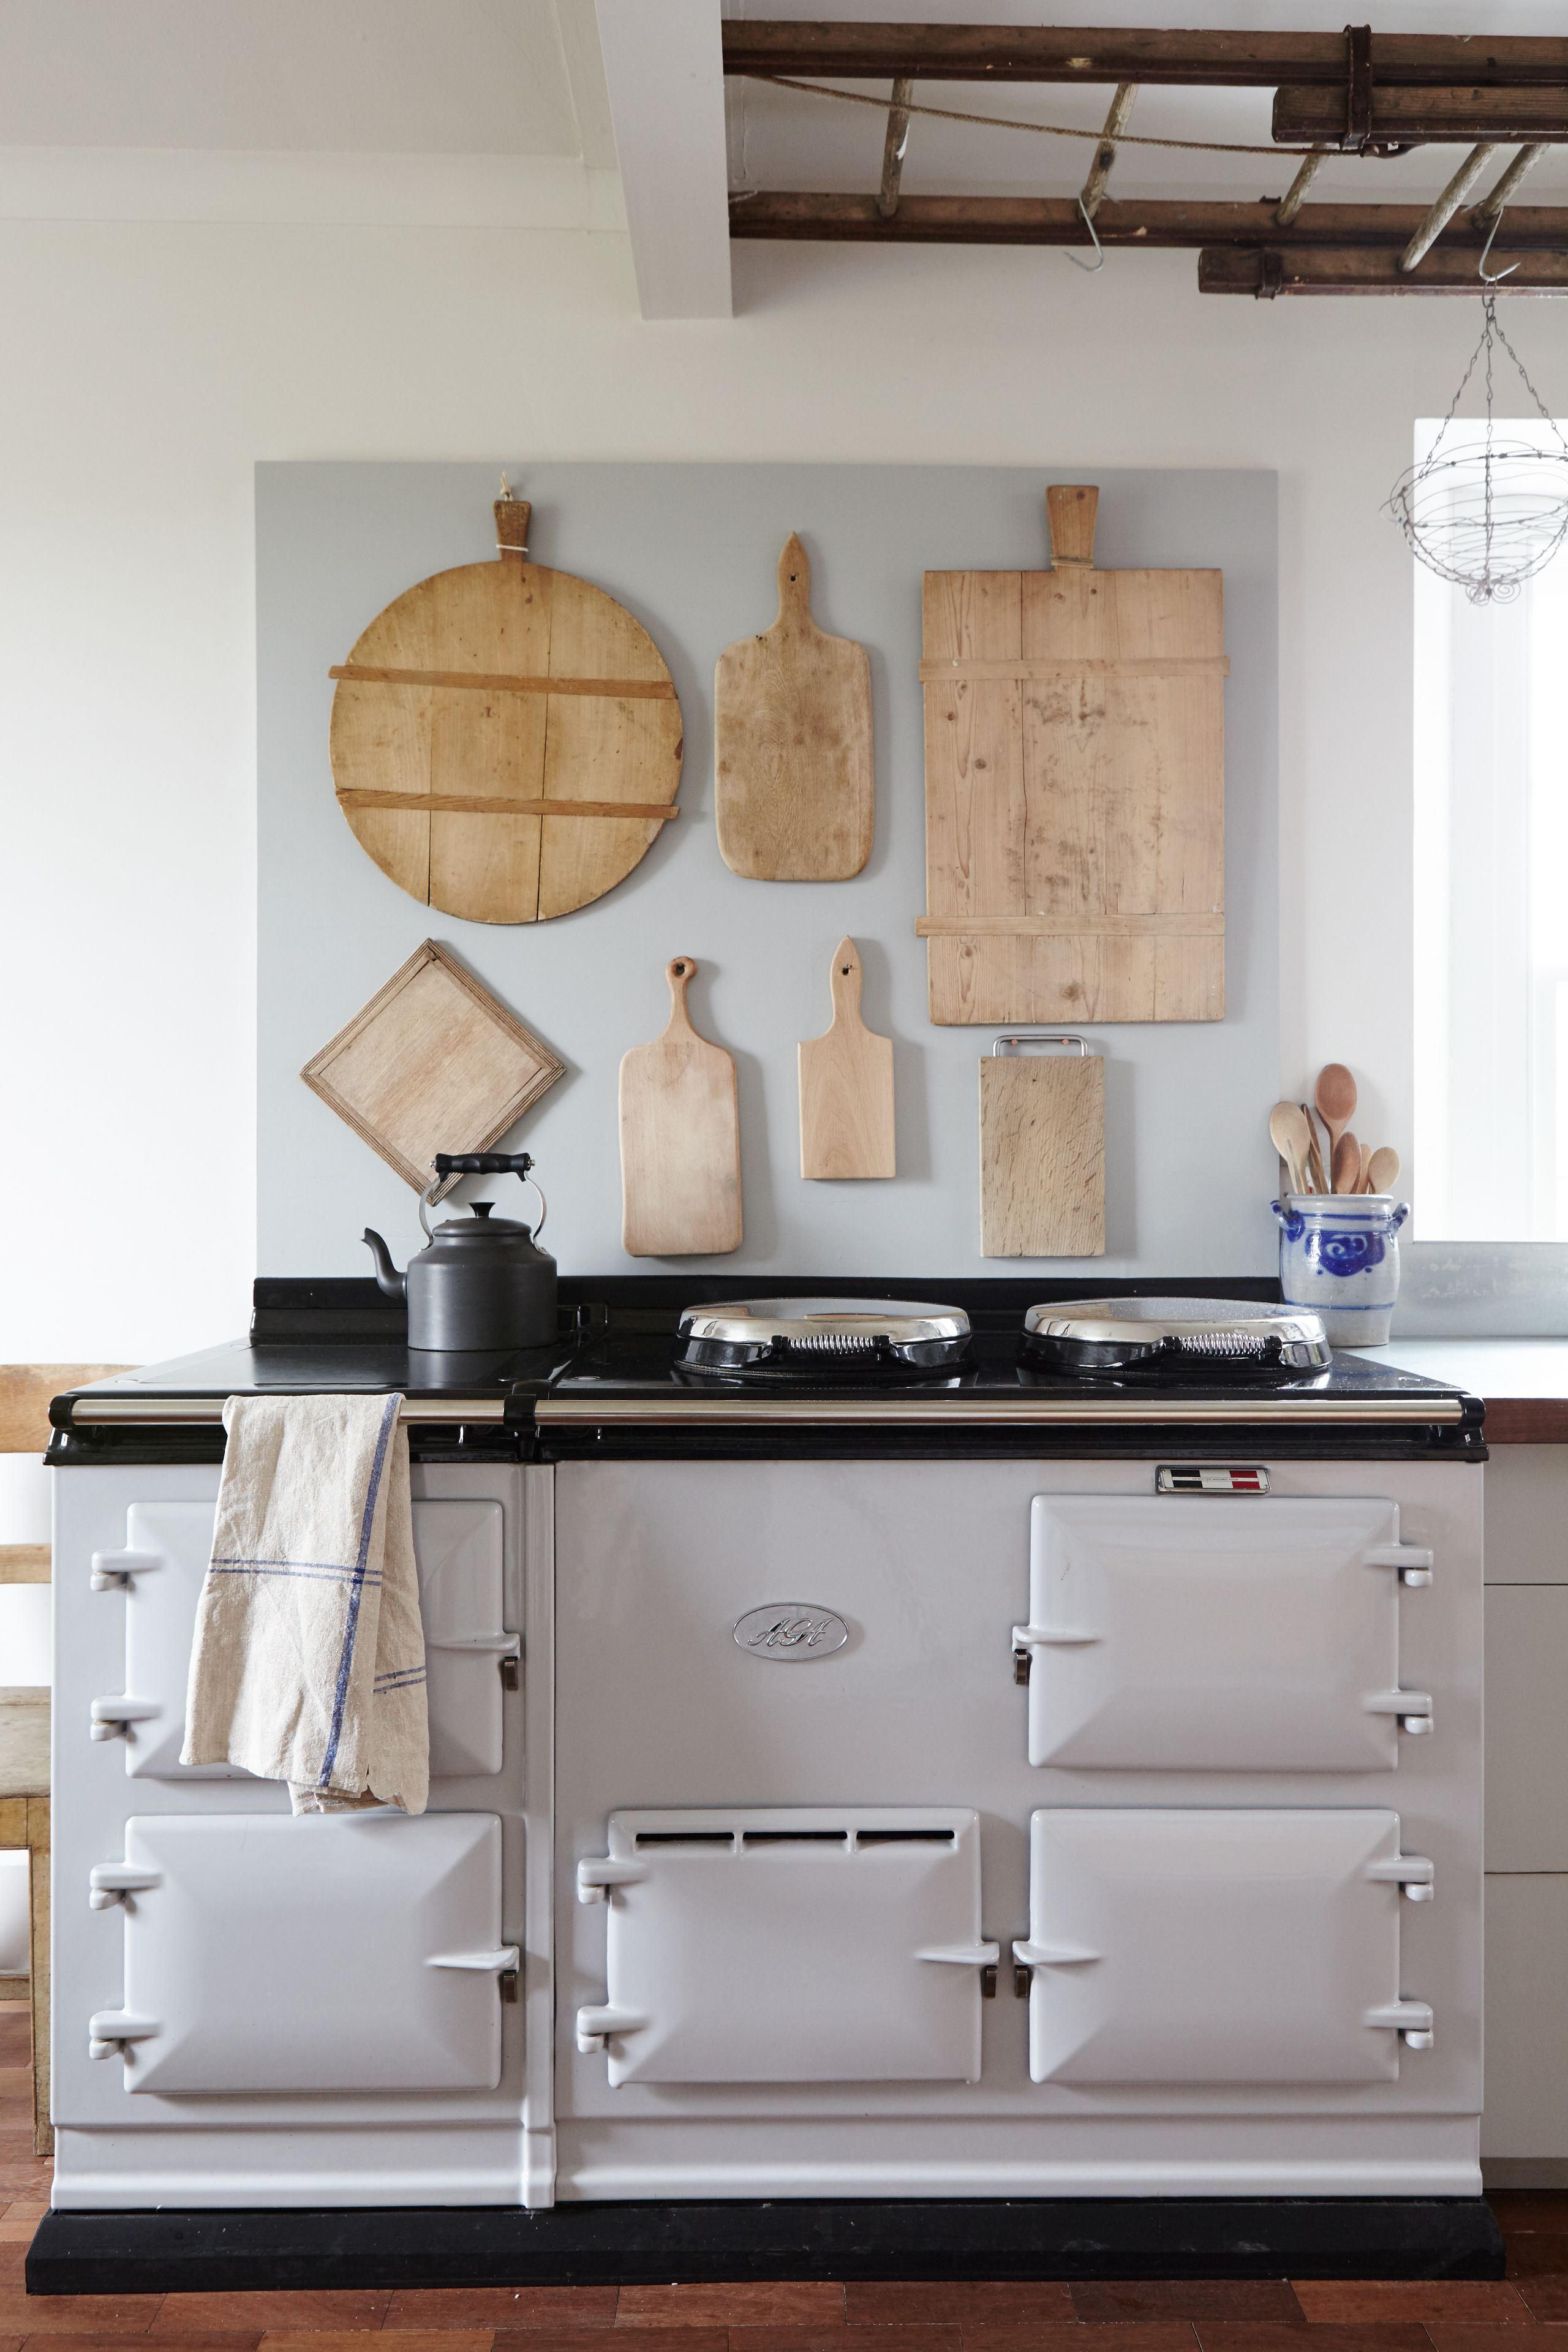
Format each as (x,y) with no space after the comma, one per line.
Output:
(1347,1163)
(1290,1135)
(1363,1173)
(1383,1169)
(1317,1174)
(1335,1098)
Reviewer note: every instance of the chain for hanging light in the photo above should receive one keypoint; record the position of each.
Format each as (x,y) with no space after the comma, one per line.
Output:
(1482,509)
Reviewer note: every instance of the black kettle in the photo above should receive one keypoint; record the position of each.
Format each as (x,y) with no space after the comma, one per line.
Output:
(480,1284)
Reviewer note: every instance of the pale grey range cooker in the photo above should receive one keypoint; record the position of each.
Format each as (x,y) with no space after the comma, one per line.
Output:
(926,1786)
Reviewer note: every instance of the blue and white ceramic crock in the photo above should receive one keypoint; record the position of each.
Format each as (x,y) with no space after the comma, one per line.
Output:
(1339,1256)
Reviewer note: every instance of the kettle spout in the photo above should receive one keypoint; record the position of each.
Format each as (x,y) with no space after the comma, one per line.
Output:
(392,1284)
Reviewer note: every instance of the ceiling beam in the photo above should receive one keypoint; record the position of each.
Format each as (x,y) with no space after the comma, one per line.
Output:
(1026,53)
(663,69)
(1274,269)
(1055,220)
(1304,115)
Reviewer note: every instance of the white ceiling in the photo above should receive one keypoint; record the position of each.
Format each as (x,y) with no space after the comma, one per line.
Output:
(388,77)
(780,139)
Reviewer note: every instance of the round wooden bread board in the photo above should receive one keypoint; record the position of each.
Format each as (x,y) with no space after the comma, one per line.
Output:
(506,739)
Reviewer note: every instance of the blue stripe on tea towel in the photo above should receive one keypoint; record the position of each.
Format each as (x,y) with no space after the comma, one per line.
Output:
(340,1696)
(284,1567)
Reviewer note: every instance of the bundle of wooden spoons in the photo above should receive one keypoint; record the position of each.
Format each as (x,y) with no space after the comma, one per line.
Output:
(1343,1165)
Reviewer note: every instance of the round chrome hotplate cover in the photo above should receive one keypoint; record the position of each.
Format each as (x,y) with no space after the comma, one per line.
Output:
(860,1338)
(1198,1339)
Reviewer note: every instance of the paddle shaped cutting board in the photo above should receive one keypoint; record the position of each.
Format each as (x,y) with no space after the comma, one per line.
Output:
(847,1086)
(681,1140)
(792,745)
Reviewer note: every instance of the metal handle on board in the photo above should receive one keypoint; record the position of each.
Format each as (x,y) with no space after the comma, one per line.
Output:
(1040,1037)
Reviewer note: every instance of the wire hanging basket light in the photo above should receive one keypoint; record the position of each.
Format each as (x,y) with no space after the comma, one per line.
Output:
(1483,508)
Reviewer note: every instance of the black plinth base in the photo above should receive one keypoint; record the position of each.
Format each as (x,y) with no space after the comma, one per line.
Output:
(593,2244)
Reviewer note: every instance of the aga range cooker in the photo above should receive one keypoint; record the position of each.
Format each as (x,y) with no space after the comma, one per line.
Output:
(977,1785)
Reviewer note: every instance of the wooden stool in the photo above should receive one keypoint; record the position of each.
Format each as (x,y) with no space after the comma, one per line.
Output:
(25,1391)
(24,1822)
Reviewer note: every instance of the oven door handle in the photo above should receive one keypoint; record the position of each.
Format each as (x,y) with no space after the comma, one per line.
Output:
(1031,1955)
(501,1962)
(597,1875)
(1413,1562)
(1411,2019)
(1412,1873)
(1413,1707)
(597,2024)
(111,1882)
(113,1571)
(112,2029)
(487,1645)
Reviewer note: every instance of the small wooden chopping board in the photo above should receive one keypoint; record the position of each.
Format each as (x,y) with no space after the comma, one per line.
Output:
(847,1086)
(681,1140)
(1042,1158)
(792,745)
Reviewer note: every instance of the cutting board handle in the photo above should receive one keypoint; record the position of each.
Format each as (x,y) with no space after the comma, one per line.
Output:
(679,971)
(512,524)
(1072,508)
(846,984)
(794,583)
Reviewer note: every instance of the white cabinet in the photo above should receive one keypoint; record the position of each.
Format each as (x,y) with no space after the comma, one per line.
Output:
(458,1547)
(1207,1633)
(1526,1514)
(821,1945)
(343,1952)
(1527,2020)
(1527,1727)
(1218,1946)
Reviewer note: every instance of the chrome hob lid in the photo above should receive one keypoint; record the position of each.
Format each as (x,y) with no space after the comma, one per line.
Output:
(859,1336)
(1178,1338)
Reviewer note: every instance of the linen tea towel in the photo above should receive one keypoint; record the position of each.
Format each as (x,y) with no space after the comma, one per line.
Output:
(309,1659)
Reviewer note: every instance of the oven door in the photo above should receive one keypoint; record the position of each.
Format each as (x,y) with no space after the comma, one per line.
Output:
(341,1952)
(790,1945)
(458,1547)
(1218,1634)
(1218,1947)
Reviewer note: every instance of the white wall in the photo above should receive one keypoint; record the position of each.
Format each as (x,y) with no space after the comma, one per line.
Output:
(150,364)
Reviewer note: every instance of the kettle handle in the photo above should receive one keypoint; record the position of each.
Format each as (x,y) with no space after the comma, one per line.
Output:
(483,1163)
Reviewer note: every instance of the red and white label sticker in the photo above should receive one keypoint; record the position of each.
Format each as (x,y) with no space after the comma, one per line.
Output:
(1199,1478)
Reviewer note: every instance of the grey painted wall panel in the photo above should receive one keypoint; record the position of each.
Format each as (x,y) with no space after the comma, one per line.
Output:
(692,551)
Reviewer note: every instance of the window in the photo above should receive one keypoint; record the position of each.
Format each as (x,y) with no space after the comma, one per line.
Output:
(1491,906)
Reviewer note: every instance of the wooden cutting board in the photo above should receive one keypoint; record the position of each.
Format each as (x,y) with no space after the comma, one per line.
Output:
(505,739)
(681,1140)
(1042,1158)
(433,1062)
(847,1086)
(792,745)
(1075,788)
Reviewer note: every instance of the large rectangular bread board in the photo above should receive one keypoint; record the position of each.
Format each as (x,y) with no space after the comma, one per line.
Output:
(1075,795)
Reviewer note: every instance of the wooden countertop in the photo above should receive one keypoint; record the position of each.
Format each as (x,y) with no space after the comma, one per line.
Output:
(1524,1383)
